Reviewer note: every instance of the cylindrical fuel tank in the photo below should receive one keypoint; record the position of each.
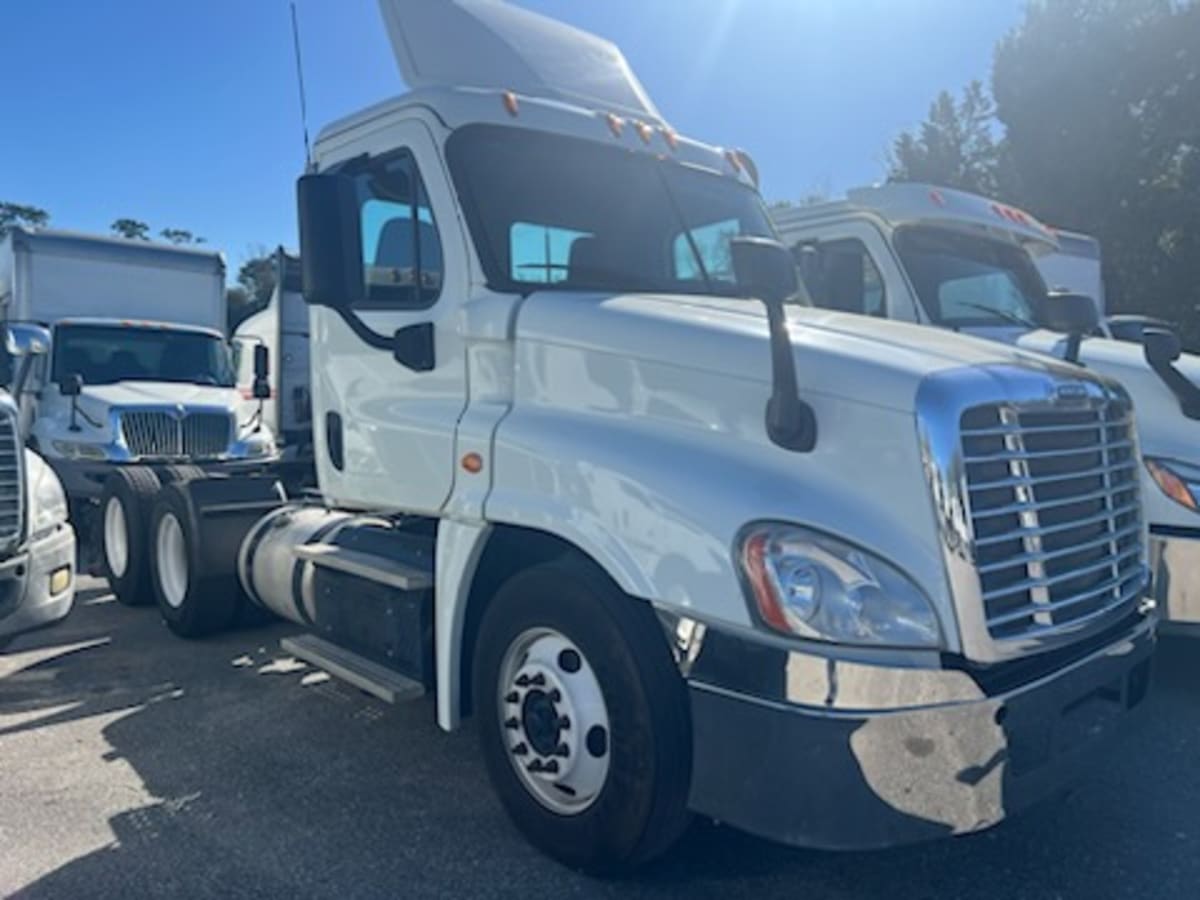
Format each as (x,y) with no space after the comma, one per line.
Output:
(271,574)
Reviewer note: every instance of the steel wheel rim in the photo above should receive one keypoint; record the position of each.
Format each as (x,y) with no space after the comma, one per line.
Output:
(116,537)
(554,721)
(172,561)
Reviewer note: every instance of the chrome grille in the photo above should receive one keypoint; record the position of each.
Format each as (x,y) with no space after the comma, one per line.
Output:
(12,495)
(158,433)
(1053,504)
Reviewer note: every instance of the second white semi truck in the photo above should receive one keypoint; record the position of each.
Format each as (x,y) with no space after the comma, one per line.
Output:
(934,256)
(138,370)
(676,546)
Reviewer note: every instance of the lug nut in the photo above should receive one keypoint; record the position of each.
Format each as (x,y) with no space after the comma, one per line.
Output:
(520,750)
(555,695)
(539,679)
(511,723)
(562,750)
(512,697)
(522,681)
(564,722)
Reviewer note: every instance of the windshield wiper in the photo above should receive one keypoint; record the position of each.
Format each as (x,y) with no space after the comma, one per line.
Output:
(1010,318)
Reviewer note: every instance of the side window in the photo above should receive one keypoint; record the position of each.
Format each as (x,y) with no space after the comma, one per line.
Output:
(712,244)
(402,253)
(543,253)
(842,275)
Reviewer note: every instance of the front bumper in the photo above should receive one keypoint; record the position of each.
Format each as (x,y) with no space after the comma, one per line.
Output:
(1175,562)
(822,753)
(26,601)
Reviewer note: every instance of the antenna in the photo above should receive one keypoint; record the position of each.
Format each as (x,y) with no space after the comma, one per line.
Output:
(308,162)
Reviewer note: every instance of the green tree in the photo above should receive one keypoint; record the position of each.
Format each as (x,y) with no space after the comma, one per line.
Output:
(180,236)
(954,146)
(255,284)
(1100,100)
(131,229)
(19,214)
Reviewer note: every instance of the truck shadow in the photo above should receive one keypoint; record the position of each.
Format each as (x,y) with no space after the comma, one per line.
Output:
(268,779)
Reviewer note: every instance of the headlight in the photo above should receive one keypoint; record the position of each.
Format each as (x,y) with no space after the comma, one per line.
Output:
(1179,481)
(47,501)
(814,586)
(80,450)
(260,444)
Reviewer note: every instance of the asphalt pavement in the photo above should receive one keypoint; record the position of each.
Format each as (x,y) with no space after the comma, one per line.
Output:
(135,764)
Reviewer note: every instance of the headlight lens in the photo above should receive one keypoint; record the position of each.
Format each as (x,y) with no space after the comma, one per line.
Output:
(1179,481)
(48,502)
(80,450)
(260,444)
(814,586)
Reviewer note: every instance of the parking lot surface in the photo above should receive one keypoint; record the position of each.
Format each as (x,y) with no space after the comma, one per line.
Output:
(135,764)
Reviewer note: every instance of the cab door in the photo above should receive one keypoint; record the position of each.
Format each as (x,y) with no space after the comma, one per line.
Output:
(847,266)
(385,412)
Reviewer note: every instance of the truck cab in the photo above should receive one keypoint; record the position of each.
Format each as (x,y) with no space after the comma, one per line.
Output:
(138,372)
(934,256)
(676,545)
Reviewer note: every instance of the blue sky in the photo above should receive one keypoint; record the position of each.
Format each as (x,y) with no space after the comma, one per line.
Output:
(185,114)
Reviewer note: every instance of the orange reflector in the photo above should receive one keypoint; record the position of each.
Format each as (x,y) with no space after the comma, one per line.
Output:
(510,103)
(615,124)
(671,138)
(645,132)
(473,463)
(733,160)
(936,196)
(1172,485)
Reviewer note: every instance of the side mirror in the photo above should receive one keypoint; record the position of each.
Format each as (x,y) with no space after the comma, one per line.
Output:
(1075,315)
(764,269)
(71,385)
(262,370)
(1161,346)
(331,252)
(22,339)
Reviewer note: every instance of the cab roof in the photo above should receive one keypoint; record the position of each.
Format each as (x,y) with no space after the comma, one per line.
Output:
(912,203)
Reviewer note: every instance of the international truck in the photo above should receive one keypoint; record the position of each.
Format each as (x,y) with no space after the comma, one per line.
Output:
(676,545)
(929,255)
(138,371)
(37,543)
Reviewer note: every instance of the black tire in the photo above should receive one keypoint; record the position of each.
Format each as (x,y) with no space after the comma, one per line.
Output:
(174,474)
(641,808)
(207,603)
(134,489)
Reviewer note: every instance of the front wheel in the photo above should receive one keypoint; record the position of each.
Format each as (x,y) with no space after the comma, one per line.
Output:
(124,507)
(583,718)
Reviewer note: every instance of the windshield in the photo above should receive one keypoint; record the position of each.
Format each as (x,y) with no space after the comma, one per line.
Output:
(963,280)
(105,354)
(551,210)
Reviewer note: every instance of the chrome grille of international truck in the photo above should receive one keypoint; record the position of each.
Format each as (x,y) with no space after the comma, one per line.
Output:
(12,494)
(1053,502)
(154,433)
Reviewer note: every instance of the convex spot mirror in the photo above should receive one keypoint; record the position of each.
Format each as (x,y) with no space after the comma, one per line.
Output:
(331,257)
(1070,313)
(1161,346)
(262,371)
(71,385)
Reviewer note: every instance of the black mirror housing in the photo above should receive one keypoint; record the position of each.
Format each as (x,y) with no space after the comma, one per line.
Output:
(71,385)
(331,257)
(1070,313)
(262,361)
(764,269)
(1161,346)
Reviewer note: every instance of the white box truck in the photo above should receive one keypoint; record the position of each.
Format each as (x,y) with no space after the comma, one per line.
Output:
(677,547)
(138,371)
(934,256)
(37,543)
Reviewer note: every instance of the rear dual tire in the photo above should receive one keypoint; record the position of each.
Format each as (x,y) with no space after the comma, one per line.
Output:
(192,603)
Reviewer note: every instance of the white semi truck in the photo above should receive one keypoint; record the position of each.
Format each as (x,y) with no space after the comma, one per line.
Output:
(677,547)
(138,371)
(37,543)
(933,256)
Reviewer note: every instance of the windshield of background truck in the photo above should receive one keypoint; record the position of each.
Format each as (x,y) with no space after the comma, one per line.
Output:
(963,280)
(103,354)
(551,210)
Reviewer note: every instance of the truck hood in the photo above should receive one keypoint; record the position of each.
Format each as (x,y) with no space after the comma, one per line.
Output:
(839,354)
(1162,427)
(158,393)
